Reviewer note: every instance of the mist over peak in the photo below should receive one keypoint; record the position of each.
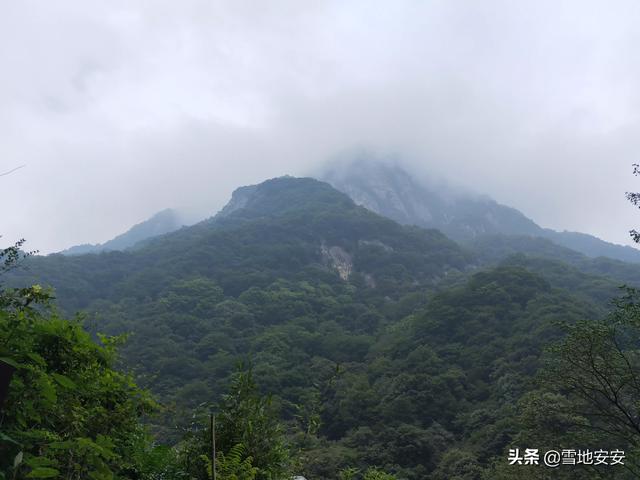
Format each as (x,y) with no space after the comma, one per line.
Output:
(386,188)
(175,104)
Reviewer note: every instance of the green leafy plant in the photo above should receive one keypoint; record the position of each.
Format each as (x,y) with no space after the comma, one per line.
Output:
(69,413)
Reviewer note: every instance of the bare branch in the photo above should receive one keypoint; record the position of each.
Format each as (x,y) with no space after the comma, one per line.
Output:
(12,170)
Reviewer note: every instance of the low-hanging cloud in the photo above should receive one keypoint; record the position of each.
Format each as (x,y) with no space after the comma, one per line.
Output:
(120,109)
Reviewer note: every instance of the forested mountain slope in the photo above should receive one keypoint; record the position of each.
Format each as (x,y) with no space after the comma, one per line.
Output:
(293,228)
(492,249)
(382,344)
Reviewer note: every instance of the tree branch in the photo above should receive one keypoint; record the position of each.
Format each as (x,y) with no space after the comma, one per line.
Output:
(12,170)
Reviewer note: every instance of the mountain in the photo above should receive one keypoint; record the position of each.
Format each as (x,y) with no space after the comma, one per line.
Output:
(381,344)
(163,222)
(390,191)
(592,246)
(283,228)
(539,251)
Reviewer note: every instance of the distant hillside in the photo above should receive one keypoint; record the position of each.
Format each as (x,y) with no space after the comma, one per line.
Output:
(162,222)
(391,191)
(497,248)
(592,246)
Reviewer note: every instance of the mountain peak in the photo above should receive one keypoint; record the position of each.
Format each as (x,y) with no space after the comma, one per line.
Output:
(388,189)
(283,195)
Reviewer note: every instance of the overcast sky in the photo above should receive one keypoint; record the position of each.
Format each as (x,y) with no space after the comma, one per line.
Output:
(122,108)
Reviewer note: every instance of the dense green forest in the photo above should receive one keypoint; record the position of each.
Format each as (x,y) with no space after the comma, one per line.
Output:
(330,342)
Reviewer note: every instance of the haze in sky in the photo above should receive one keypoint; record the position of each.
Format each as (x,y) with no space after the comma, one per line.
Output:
(122,108)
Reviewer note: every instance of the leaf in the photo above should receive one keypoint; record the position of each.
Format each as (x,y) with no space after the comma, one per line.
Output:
(47,390)
(17,460)
(43,472)
(64,381)
(36,358)
(36,462)
(6,438)
(8,361)
(60,445)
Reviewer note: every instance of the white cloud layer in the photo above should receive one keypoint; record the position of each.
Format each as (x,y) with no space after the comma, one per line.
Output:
(122,108)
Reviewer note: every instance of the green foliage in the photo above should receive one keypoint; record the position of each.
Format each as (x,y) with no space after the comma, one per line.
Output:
(248,419)
(586,396)
(371,473)
(359,380)
(458,464)
(375,474)
(11,255)
(409,357)
(69,414)
(235,465)
(249,437)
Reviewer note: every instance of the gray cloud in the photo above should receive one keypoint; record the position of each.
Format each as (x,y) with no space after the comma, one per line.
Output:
(122,108)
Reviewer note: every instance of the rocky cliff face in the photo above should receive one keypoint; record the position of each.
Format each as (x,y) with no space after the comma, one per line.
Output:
(339,259)
(391,191)
(239,199)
